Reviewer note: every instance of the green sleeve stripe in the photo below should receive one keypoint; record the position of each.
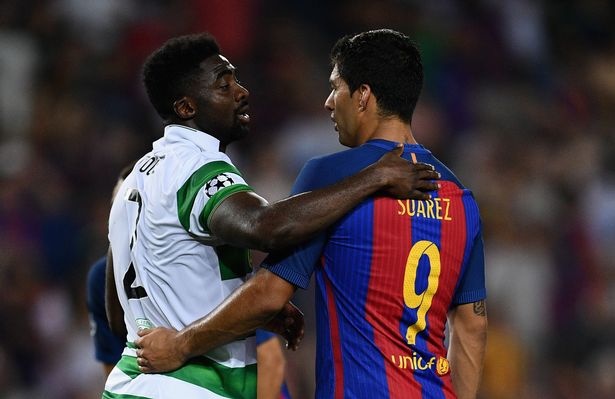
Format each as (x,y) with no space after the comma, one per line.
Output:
(239,383)
(217,199)
(186,195)
(111,395)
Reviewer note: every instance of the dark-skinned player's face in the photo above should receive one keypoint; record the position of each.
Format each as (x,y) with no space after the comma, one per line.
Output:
(222,102)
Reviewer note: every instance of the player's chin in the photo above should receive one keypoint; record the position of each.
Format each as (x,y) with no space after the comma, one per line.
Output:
(344,140)
(240,131)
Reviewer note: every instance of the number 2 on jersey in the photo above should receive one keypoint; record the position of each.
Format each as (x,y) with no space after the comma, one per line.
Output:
(421,302)
(130,277)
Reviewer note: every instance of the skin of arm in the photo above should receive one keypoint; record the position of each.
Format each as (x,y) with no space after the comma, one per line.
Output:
(261,301)
(247,220)
(115,313)
(468,339)
(271,365)
(108,367)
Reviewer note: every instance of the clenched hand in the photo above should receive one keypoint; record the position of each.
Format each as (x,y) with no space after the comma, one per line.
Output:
(159,350)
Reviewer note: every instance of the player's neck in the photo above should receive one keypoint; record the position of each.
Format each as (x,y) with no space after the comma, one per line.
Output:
(391,129)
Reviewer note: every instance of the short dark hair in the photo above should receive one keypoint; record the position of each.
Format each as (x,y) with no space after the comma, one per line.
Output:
(386,60)
(169,72)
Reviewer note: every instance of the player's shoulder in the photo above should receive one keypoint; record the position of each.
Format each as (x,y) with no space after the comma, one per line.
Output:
(180,166)
(328,169)
(446,173)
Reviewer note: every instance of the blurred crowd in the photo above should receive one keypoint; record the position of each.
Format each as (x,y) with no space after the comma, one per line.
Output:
(518,100)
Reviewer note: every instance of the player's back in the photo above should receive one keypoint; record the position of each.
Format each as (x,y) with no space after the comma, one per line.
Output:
(390,270)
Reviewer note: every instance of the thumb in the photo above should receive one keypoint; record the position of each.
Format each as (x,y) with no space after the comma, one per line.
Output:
(398,150)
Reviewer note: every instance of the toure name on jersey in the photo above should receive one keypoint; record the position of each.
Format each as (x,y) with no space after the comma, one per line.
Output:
(435,208)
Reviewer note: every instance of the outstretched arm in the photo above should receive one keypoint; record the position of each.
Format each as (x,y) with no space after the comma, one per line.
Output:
(468,324)
(247,220)
(261,301)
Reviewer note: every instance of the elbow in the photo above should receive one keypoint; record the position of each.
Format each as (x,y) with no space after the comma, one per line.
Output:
(272,236)
(271,293)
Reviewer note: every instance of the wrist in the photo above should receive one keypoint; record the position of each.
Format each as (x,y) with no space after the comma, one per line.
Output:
(376,178)
(182,345)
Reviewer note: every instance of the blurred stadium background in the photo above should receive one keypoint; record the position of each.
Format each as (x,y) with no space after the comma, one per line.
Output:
(519,100)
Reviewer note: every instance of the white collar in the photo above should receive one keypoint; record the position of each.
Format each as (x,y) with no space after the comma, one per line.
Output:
(204,141)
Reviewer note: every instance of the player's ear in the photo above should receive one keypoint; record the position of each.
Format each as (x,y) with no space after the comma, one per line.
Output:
(185,108)
(364,94)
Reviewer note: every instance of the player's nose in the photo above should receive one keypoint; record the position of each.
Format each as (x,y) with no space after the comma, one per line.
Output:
(329,105)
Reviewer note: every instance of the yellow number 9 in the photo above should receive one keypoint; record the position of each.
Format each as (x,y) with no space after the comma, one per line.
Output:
(421,301)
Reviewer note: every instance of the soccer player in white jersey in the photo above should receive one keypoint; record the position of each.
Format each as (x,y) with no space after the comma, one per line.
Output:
(184,204)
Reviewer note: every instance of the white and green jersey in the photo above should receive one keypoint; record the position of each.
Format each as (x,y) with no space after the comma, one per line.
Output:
(171,270)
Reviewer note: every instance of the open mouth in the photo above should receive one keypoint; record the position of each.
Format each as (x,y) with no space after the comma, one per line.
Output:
(243,117)
(243,114)
(334,123)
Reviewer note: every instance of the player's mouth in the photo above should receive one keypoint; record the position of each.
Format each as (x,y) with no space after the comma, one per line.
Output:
(334,122)
(243,114)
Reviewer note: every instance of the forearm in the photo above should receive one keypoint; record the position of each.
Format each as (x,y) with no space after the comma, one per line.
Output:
(247,222)
(271,363)
(468,340)
(300,217)
(250,307)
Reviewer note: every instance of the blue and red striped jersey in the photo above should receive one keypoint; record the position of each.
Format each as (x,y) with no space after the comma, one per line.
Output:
(387,273)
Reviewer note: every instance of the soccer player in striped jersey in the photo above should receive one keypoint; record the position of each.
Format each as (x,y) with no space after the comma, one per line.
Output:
(181,221)
(389,274)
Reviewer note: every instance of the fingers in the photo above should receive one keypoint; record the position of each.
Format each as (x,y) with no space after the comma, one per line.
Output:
(141,333)
(398,150)
(423,166)
(294,334)
(144,332)
(143,364)
(428,174)
(426,182)
(419,195)
(425,185)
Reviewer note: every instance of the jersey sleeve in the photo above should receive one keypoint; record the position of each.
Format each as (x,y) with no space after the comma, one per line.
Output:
(204,191)
(308,179)
(471,287)
(263,336)
(297,266)
(107,346)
